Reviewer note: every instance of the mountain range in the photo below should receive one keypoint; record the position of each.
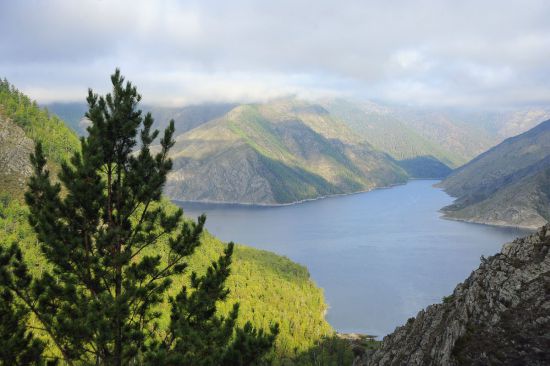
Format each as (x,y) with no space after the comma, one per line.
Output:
(288,150)
(507,185)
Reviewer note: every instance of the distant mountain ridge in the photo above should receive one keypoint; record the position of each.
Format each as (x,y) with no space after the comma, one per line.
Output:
(507,185)
(280,152)
(287,150)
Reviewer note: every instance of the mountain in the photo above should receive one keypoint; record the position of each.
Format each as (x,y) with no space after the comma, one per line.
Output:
(288,150)
(269,287)
(498,316)
(450,135)
(72,113)
(507,185)
(185,118)
(279,152)
(384,129)
(22,123)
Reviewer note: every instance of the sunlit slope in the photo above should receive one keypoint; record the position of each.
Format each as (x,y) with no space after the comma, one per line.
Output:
(279,152)
(270,288)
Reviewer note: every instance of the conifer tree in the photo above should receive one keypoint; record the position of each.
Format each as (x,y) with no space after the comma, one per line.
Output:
(99,229)
(19,346)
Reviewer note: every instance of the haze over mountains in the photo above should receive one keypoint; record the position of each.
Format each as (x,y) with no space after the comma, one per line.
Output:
(289,149)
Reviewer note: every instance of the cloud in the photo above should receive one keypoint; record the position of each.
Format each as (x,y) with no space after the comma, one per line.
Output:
(459,53)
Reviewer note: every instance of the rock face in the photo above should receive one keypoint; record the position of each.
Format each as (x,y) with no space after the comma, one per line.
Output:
(15,149)
(499,316)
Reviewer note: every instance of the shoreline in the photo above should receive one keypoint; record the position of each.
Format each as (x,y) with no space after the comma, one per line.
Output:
(473,221)
(335,195)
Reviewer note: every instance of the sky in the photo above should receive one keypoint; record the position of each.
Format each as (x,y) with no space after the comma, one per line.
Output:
(466,54)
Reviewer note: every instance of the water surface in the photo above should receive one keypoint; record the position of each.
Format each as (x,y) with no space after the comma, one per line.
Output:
(380,256)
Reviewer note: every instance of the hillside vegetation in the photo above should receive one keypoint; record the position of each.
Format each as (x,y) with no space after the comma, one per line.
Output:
(287,150)
(281,152)
(22,123)
(386,132)
(507,185)
(268,287)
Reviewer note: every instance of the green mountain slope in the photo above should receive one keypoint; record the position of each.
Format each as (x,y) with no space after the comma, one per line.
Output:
(185,118)
(507,185)
(21,124)
(462,137)
(280,152)
(270,288)
(382,129)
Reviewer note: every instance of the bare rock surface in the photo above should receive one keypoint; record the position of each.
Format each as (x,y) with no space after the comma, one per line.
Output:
(15,149)
(499,316)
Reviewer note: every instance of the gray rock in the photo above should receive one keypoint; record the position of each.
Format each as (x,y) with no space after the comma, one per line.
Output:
(15,149)
(499,316)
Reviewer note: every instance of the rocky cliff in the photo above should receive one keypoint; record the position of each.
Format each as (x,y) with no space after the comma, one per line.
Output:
(499,316)
(15,149)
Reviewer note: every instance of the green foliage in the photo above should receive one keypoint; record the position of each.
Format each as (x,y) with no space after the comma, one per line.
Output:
(269,288)
(335,350)
(19,346)
(448,299)
(58,141)
(97,298)
(198,336)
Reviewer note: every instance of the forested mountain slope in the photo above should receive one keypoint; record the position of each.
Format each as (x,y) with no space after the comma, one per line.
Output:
(269,288)
(22,123)
(385,131)
(507,185)
(287,149)
(185,118)
(279,152)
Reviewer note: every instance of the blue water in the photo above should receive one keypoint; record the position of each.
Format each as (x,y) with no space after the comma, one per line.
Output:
(380,256)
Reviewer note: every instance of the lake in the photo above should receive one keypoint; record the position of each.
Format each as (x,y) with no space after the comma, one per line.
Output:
(380,256)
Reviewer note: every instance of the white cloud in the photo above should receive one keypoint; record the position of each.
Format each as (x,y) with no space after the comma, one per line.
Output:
(427,51)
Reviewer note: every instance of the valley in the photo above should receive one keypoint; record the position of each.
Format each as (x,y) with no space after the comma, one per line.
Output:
(254,183)
(379,256)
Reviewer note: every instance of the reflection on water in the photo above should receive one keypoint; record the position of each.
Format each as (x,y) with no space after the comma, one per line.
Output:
(380,256)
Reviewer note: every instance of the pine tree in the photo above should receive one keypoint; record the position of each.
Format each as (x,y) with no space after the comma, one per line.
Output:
(100,228)
(197,336)
(19,346)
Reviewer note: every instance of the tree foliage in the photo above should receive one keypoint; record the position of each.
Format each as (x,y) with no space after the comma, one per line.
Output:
(97,228)
(58,141)
(19,345)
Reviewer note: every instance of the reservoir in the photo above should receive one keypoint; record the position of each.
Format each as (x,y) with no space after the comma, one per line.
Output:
(380,256)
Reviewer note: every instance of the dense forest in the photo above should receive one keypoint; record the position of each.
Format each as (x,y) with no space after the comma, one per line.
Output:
(59,142)
(270,289)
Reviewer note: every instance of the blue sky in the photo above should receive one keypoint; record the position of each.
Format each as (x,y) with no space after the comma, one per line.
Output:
(433,52)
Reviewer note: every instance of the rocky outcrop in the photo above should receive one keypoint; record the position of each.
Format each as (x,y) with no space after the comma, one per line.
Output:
(15,149)
(499,316)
